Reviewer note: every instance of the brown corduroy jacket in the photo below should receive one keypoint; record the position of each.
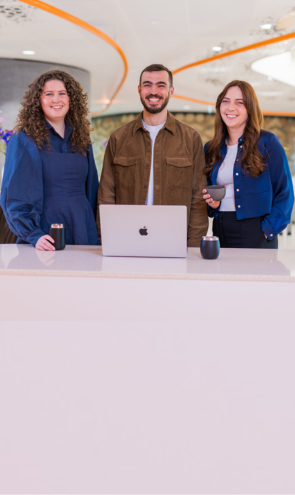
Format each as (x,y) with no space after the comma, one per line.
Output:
(178,171)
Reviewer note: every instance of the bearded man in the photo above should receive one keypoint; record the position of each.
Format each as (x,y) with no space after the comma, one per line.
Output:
(156,159)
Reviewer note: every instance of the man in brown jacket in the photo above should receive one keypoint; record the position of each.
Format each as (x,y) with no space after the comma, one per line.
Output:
(156,159)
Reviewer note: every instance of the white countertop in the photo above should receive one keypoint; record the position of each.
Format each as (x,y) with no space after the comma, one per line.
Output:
(87,261)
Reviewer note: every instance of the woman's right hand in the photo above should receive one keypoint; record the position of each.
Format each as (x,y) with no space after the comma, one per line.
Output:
(43,243)
(209,200)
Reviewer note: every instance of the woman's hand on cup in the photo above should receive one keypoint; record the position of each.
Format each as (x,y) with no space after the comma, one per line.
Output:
(43,243)
(209,200)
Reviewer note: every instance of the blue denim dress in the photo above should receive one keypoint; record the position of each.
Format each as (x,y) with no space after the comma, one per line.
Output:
(43,187)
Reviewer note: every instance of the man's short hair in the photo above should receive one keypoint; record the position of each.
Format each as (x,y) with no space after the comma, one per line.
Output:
(157,68)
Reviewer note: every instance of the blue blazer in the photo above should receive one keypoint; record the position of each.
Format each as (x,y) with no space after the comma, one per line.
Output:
(270,195)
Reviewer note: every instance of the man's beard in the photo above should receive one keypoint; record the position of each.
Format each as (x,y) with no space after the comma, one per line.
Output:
(155,110)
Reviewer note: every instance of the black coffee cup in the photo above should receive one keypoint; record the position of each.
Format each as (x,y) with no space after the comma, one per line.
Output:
(217,193)
(210,247)
(58,232)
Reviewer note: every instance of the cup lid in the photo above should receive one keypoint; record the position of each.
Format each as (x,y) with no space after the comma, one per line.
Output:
(57,225)
(210,238)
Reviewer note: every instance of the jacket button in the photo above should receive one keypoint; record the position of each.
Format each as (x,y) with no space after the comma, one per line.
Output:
(237,173)
(239,206)
(237,190)
(145,187)
(147,164)
(148,144)
(271,235)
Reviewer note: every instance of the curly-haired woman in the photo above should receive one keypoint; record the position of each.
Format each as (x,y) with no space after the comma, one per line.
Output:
(253,166)
(50,174)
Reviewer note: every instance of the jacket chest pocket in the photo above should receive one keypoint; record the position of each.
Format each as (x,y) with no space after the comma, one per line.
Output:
(260,184)
(125,171)
(179,172)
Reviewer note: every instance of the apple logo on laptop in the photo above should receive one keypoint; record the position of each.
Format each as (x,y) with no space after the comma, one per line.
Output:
(143,231)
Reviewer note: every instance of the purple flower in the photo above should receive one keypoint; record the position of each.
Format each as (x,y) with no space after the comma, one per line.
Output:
(6,137)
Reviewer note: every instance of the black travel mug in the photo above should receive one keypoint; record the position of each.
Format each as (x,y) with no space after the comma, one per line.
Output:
(210,247)
(58,232)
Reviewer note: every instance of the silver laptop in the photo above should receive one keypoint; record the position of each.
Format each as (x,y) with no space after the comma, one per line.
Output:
(139,230)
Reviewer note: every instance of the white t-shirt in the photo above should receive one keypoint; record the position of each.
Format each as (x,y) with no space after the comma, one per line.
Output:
(153,130)
(225,178)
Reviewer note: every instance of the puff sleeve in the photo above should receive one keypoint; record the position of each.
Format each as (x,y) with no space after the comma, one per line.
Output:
(22,188)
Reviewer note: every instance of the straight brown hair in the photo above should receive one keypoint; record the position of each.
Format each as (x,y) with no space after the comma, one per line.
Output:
(252,160)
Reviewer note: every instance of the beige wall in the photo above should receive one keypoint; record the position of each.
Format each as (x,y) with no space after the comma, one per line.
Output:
(283,127)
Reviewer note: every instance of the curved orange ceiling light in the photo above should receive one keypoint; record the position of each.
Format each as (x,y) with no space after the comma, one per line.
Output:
(229,54)
(75,20)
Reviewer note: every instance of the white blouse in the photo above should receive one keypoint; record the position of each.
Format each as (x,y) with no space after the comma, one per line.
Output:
(225,178)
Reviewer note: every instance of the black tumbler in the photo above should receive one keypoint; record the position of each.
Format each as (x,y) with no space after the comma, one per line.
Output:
(58,232)
(210,247)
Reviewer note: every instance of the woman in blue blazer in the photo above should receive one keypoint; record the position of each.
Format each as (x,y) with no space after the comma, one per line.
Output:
(253,166)
(50,174)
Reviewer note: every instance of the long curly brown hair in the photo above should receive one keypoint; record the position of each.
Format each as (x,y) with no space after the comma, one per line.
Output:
(31,117)
(252,160)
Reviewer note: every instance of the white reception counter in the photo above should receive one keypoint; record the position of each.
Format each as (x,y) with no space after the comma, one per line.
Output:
(87,261)
(125,375)
(80,284)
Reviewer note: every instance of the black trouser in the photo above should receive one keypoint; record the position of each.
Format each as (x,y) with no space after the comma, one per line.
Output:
(245,233)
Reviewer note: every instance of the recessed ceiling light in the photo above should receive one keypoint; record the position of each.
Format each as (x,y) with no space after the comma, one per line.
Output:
(265,26)
(186,107)
(29,52)
(217,48)
(104,101)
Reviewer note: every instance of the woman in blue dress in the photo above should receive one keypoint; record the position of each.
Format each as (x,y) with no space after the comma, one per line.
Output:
(50,174)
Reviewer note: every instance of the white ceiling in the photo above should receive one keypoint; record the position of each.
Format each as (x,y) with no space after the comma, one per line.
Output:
(171,32)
